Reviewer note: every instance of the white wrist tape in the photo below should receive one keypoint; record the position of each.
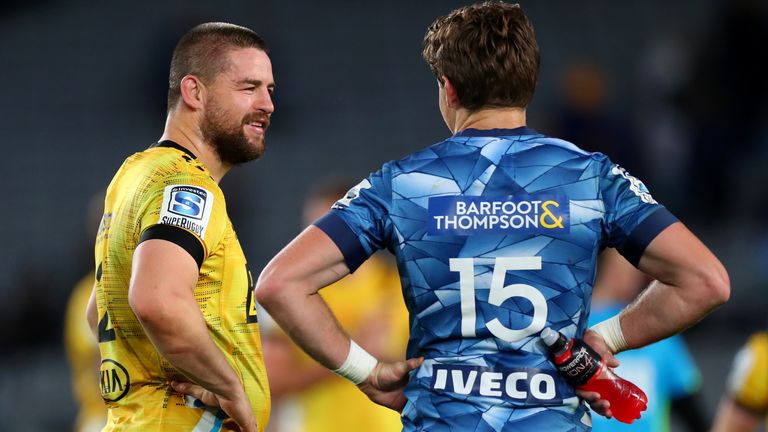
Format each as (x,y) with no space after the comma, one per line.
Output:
(358,365)
(610,330)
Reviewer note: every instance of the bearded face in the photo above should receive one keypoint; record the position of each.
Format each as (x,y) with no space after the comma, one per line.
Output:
(235,138)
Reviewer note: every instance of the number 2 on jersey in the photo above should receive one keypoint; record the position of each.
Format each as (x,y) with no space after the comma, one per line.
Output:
(498,294)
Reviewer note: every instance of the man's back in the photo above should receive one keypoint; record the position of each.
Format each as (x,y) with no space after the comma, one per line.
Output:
(496,233)
(154,193)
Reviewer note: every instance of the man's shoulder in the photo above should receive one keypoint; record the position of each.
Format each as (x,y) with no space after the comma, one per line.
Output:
(494,148)
(168,166)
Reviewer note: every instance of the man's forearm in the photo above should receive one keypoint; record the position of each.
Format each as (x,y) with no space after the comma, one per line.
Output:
(663,310)
(180,335)
(290,293)
(311,325)
(690,283)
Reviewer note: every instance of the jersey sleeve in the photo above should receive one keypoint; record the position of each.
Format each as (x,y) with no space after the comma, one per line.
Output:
(357,223)
(187,210)
(747,383)
(633,218)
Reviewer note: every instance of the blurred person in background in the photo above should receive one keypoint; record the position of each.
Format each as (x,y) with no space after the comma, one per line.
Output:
(80,343)
(665,370)
(310,398)
(585,115)
(173,297)
(744,407)
(468,335)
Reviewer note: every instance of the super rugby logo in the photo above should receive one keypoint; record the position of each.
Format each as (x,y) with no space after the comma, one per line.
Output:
(187,201)
(188,207)
(461,215)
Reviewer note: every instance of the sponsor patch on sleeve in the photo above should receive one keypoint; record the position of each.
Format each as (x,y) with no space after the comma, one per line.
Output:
(188,207)
(635,185)
(352,194)
(466,215)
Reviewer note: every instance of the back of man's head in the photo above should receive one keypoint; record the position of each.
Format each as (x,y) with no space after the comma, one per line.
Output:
(202,52)
(489,53)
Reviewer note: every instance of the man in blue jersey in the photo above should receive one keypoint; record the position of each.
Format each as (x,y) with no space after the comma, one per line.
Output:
(496,231)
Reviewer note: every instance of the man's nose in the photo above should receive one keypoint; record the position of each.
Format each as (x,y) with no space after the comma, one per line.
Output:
(264,102)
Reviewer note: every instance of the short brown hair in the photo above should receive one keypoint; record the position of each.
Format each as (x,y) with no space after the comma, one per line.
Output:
(488,51)
(201,51)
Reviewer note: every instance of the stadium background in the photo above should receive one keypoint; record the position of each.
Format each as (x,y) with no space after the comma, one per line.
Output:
(84,86)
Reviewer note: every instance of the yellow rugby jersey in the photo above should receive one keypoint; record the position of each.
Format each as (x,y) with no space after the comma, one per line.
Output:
(748,381)
(165,193)
(369,304)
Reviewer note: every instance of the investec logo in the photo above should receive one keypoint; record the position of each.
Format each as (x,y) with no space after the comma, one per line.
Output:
(465,215)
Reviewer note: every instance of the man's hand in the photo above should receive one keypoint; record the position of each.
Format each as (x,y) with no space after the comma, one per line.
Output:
(386,383)
(600,406)
(237,407)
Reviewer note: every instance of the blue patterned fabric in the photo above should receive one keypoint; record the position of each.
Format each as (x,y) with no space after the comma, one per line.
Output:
(496,234)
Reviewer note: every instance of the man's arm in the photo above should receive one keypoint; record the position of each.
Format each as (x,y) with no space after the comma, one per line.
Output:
(288,288)
(733,418)
(690,283)
(161,295)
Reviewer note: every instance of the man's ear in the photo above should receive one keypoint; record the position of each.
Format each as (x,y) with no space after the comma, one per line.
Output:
(192,92)
(451,97)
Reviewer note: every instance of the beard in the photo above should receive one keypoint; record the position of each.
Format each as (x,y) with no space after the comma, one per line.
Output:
(228,139)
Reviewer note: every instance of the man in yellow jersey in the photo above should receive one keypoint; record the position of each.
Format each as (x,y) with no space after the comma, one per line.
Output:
(81,346)
(173,298)
(745,404)
(83,357)
(369,304)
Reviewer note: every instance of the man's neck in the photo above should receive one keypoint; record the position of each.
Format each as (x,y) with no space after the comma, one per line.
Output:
(489,118)
(190,137)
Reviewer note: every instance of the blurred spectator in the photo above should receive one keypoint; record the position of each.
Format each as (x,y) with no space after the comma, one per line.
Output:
(664,370)
(586,118)
(307,396)
(745,405)
(82,347)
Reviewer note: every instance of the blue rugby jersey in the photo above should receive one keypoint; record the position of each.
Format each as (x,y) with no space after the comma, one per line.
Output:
(496,235)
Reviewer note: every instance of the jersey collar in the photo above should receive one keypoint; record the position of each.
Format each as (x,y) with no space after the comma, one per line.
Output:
(172,144)
(522,130)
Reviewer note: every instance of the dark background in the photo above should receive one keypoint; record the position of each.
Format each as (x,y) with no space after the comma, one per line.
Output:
(683,106)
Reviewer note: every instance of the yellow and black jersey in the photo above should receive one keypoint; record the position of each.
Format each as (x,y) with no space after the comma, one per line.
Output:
(748,381)
(165,193)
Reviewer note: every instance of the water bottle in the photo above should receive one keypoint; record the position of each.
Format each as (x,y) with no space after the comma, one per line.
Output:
(584,369)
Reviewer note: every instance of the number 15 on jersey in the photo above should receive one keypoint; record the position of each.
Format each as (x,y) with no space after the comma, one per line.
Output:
(498,294)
